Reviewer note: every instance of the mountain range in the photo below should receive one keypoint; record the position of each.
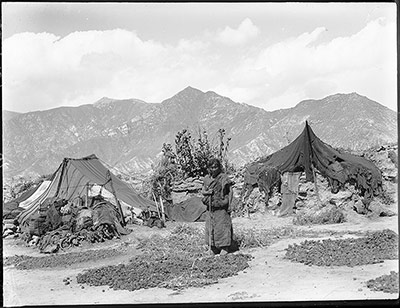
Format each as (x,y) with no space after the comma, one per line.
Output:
(128,134)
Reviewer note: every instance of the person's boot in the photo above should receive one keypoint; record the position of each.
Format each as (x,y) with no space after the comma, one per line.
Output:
(214,251)
(223,252)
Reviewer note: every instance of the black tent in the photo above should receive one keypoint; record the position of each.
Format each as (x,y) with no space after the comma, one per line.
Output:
(306,152)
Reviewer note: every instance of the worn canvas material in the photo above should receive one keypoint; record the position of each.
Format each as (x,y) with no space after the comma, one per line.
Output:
(308,150)
(72,178)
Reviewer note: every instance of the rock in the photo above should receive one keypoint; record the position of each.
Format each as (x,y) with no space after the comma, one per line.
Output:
(378,209)
(342,197)
(7,233)
(178,197)
(360,207)
(375,207)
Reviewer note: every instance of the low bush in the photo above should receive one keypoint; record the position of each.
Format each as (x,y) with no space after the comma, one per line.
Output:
(385,283)
(333,215)
(372,248)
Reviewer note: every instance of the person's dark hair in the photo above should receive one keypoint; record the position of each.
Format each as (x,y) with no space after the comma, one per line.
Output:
(215,161)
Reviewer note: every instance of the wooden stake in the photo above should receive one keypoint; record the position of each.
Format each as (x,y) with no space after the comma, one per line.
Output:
(87,195)
(162,210)
(158,211)
(210,229)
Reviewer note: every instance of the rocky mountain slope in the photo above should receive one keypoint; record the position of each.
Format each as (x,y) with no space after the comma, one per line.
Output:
(128,134)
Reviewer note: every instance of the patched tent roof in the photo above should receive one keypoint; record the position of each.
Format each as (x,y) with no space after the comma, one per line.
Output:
(308,150)
(71,180)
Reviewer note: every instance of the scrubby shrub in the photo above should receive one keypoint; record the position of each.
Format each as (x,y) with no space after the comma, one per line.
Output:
(374,247)
(385,283)
(331,216)
(386,198)
(189,159)
(251,238)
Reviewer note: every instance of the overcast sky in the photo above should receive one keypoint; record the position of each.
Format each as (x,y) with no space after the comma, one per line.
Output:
(270,55)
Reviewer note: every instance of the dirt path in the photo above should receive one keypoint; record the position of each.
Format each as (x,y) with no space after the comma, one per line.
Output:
(269,278)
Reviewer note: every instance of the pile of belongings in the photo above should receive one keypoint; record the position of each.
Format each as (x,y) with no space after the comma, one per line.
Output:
(11,210)
(60,223)
(10,228)
(151,219)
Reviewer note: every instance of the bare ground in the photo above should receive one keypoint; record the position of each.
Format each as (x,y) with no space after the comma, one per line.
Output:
(270,277)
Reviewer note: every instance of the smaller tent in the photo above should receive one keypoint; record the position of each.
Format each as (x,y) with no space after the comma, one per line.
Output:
(188,210)
(38,191)
(307,153)
(14,207)
(75,177)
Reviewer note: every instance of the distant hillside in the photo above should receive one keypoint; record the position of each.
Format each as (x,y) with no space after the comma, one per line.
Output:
(7,115)
(128,134)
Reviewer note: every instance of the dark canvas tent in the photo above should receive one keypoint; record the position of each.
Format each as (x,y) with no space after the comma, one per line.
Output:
(72,178)
(306,152)
(189,210)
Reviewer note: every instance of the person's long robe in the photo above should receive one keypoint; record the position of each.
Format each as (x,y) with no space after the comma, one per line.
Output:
(219,219)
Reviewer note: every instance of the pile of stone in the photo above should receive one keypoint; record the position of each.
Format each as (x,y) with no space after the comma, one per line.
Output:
(184,189)
(10,228)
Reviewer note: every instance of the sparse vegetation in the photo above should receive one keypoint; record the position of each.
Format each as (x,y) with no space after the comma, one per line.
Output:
(385,283)
(386,198)
(189,159)
(370,249)
(178,261)
(333,215)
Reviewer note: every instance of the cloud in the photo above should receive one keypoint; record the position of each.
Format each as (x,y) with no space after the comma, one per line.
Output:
(245,32)
(42,70)
(300,66)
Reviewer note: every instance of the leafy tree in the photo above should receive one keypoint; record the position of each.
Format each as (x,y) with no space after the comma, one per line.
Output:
(223,149)
(164,174)
(184,152)
(203,151)
(190,159)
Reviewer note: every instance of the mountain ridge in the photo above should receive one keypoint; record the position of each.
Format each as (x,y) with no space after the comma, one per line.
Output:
(129,133)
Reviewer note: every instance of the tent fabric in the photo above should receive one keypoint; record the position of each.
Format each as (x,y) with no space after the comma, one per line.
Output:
(39,191)
(26,194)
(186,211)
(307,151)
(72,180)
(11,210)
(14,207)
(289,190)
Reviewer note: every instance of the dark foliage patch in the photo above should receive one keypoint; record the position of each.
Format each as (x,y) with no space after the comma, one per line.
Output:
(385,283)
(375,247)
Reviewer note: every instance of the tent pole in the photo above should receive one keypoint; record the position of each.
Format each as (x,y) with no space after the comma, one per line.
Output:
(64,164)
(87,195)
(158,211)
(116,199)
(162,210)
(312,165)
(161,204)
(210,236)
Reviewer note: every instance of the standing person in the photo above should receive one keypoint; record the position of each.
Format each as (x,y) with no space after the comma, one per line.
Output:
(216,188)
